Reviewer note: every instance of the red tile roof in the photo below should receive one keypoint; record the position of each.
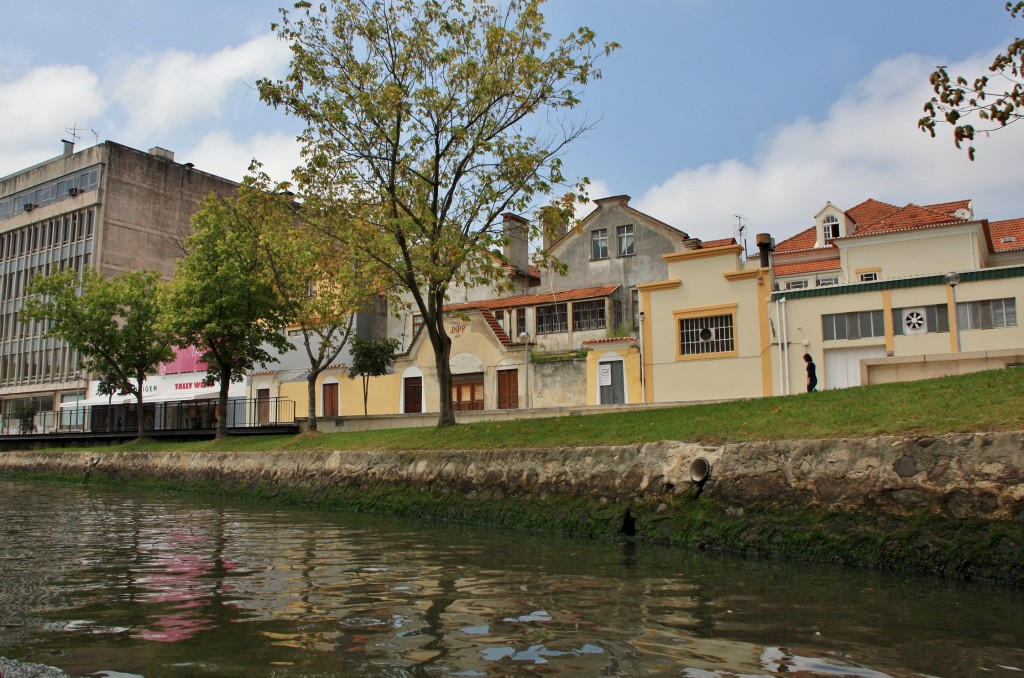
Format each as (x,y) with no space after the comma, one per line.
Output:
(708,244)
(1003,231)
(609,340)
(801,241)
(908,218)
(808,266)
(874,216)
(870,211)
(536,299)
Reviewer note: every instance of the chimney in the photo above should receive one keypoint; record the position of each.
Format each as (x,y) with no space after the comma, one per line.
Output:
(162,153)
(69,147)
(554,225)
(765,246)
(517,247)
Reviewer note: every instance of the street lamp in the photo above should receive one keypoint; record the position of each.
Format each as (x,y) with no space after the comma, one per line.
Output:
(952,279)
(524,339)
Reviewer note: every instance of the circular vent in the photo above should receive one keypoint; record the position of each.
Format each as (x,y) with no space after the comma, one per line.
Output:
(706,334)
(914,320)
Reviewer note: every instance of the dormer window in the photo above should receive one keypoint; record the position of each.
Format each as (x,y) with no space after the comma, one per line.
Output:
(830,228)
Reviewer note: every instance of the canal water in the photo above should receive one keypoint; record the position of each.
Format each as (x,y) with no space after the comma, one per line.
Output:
(121,584)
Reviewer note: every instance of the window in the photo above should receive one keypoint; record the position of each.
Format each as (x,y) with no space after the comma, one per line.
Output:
(986,315)
(796,284)
(624,234)
(520,321)
(855,325)
(588,315)
(828,281)
(707,335)
(868,276)
(552,318)
(920,319)
(417,323)
(635,300)
(830,228)
(599,244)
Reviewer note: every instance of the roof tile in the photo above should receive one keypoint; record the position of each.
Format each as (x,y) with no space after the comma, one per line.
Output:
(1007,235)
(536,299)
(808,266)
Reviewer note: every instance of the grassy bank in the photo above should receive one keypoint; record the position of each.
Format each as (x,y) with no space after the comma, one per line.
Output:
(985,401)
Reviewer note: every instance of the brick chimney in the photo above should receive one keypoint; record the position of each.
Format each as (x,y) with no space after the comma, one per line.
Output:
(517,233)
(554,225)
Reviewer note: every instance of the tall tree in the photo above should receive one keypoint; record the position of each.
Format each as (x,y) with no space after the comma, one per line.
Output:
(429,115)
(371,358)
(320,285)
(113,324)
(996,98)
(221,300)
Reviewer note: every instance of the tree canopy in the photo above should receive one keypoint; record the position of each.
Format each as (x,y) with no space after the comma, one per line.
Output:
(221,300)
(113,324)
(425,122)
(320,285)
(371,358)
(991,101)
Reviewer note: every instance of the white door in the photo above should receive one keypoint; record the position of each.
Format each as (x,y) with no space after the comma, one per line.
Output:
(842,365)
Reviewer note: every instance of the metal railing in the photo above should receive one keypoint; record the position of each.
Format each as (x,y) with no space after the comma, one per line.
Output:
(174,416)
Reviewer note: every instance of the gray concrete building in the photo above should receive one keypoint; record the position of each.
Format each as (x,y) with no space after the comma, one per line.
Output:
(108,206)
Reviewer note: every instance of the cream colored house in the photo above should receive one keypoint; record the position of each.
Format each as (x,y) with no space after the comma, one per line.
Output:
(866,293)
(875,293)
(706,333)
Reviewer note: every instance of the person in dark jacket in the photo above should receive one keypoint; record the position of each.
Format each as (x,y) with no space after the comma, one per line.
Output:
(812,373)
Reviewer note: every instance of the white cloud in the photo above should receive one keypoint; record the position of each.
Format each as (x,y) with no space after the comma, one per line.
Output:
(868,146)
(221,154)
(39,107)
(174,89)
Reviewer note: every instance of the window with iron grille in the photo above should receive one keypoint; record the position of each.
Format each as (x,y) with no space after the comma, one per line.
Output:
(986,315)
(552,318)
(588,315)
(599,244)
(708,334)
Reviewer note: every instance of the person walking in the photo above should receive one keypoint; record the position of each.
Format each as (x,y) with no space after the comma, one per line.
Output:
(812,373)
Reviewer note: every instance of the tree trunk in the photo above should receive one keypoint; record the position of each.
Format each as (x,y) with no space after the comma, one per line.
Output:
(140,417)
(442,355)
(222,404)
(311,408)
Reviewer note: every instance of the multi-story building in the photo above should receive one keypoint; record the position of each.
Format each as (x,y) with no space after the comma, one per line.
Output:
(107,206)
(872,294)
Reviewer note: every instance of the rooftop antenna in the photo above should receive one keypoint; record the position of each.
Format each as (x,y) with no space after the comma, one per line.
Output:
(741,230)
(74,132)
(96,134)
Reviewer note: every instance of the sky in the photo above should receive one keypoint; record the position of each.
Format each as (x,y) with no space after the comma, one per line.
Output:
(713,113)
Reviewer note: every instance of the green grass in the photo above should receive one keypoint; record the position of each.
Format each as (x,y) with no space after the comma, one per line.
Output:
(984,401)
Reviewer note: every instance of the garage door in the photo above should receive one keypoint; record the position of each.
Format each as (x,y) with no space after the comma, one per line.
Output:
(842,366)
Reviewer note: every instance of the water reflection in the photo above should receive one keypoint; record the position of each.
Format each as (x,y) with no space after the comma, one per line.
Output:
(95,581)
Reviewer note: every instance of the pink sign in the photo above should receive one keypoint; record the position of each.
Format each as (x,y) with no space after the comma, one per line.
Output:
(185,360)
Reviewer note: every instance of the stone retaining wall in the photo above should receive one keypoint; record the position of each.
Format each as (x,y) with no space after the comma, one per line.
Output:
(955,476)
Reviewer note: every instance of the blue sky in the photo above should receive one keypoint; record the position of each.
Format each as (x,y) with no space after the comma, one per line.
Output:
(711,109)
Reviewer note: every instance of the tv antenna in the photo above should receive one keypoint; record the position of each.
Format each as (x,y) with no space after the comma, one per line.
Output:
(740,231)
(74,132)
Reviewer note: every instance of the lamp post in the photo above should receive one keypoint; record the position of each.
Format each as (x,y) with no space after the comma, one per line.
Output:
(952,279)
(524,339)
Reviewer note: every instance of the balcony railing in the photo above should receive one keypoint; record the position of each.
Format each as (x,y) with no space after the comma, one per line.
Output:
(167,417)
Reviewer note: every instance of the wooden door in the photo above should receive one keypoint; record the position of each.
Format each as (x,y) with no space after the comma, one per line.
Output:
(413,387)
(330,400)
(508,389)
